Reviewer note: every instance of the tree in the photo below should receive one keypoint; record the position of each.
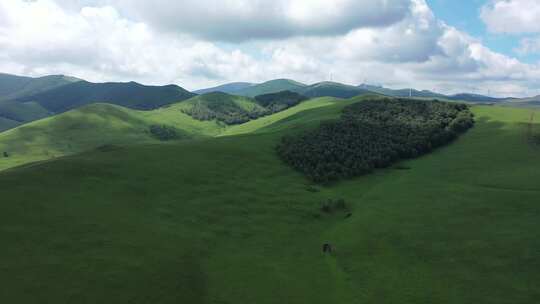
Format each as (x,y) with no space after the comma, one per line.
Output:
(374,134)
(6,154)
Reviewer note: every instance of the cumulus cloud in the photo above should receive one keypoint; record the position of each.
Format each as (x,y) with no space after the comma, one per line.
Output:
(239,20)
(402,44)
(529,46)
(512,16)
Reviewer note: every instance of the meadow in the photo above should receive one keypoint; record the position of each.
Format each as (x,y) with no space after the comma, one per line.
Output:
(223,220)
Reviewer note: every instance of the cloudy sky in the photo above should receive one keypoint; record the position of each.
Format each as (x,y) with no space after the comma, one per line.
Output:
(483,46)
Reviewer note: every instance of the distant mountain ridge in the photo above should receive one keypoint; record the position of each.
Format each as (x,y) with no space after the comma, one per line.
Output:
(129,94)
(229,88)
(272,86)
(339,90)
(13,86)
(25,99)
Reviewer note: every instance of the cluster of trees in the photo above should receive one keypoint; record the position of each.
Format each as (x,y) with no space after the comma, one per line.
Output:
(222,107)
(374,134)
(233,110)
(277,102)
(164,132)
(229,115)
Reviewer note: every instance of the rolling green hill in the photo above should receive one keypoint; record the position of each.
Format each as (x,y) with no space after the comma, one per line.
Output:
(26,99)
(22,111)
(131,94)
(229,88)
(332,89)
(93,126)
(6,124)
(277,102)
(13,87)
(272,86)
(402,92)
(223,107)
(14,113)
(223,220)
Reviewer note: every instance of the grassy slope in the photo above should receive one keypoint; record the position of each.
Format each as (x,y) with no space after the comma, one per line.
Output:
(272,86)
(22,112)
(6,124)
(90,127)
(12,86)
(224,221)
(255,125)
(129,94)
(215,100)
(333,89)
(99,124)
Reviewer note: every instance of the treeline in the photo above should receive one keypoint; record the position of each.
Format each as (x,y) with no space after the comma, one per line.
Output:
(374,134)
(227,112)
(233,110)
(277,102)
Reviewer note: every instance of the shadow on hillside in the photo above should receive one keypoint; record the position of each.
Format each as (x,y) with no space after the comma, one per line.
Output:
(73,132)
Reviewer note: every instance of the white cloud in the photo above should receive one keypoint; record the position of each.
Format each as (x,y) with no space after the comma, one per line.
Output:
(99,40)
(529,46)
(240,20)
(512,16)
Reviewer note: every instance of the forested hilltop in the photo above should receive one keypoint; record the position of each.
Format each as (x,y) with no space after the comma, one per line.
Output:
(374,134)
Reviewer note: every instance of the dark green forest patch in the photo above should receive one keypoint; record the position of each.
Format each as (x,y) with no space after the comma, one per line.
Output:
(226,108)
(277,102)
(374,134)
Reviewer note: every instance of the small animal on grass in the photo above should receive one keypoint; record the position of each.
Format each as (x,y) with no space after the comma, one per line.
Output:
(327,248)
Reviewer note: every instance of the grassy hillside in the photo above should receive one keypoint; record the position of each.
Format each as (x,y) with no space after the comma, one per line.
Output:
(12,86)
(22,111)
(6,124)
(230,88)
(96,125)
(531,102)
(93,126)
(224,221)
(332,89)
(226,108)
(13,113)
(475,98)
(402,92)
(131,94)
(272,86)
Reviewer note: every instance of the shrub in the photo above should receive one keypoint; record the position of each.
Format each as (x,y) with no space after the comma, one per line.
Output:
(341,205)
(330,205)
(164,132)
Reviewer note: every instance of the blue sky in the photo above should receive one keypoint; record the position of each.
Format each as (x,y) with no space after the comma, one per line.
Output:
(465,16)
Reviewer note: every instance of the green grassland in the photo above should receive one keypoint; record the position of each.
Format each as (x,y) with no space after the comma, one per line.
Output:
(96,125)
(93,126)
(223,220)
